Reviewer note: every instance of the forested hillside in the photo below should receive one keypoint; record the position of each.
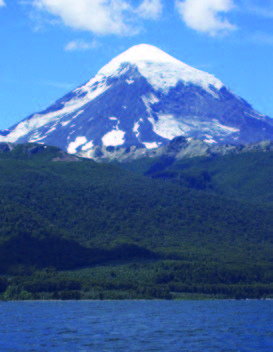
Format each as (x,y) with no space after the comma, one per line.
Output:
(140,236)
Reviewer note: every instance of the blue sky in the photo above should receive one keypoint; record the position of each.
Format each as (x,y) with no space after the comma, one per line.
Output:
(49,47)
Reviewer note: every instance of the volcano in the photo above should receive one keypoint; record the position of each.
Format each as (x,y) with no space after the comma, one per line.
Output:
(144,98)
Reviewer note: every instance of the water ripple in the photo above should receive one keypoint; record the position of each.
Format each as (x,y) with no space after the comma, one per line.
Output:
(137,326)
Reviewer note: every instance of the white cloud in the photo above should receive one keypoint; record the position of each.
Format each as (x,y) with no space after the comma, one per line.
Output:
(150,9)
(2,3)
(80,45)
(100,16)
(205,15)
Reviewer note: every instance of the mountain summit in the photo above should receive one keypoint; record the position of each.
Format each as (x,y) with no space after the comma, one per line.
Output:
(143,97)
(161,70)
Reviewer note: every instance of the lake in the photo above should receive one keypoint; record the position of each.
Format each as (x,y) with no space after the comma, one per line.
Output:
(142,326)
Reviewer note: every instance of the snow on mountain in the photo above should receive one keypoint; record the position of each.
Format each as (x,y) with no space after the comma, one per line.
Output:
(143,97)
(161,70)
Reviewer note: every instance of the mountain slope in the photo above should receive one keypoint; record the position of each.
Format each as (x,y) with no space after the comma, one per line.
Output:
(147,237)
(144,97)
(240,172)
(98,204)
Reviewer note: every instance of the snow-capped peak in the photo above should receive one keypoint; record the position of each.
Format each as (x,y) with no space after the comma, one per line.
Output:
(118,108)
(142,52)
(160,69)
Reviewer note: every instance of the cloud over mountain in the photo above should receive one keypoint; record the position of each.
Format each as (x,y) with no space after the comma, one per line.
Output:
(99,16)
(125,17)
(150,9)
(205,15)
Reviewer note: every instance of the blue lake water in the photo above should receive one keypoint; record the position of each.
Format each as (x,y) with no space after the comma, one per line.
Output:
(143,326)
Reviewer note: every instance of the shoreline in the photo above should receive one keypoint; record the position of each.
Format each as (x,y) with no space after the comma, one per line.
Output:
(137,300)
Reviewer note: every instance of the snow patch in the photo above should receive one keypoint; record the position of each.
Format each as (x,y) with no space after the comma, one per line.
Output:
(113,138)
(113,118)
(227,129)
(136,127)
(65,123)
(151,145)
(88,145)
(130,81)
(210,141)
(71,149)
(78,114)
(168,127)
(256,116)
(51,130)
(150,99)
(36,138)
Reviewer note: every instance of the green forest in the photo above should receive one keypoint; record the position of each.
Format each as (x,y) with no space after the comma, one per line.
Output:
(197,228)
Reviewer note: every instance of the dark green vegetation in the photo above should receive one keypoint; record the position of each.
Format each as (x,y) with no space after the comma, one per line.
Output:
(77,229)
(245,177)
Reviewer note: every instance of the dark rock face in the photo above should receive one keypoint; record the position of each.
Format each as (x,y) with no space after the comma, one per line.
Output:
(5,147)
(34,150)
(4,132)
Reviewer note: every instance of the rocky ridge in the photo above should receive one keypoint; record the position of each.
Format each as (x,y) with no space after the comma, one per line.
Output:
(178,148)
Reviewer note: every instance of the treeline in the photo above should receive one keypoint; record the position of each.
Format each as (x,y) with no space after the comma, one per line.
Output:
(141,280)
